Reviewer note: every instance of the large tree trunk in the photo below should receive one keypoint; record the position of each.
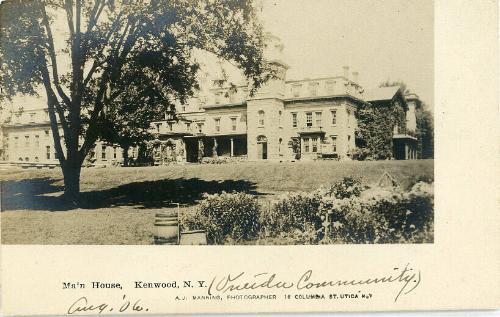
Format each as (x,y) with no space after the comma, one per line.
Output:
(71,174)
(125,155)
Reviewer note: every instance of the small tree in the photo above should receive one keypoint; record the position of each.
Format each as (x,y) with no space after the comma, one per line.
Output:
(121,56)
(425,132)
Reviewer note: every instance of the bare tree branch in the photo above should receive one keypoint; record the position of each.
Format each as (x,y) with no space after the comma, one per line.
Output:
(52,55)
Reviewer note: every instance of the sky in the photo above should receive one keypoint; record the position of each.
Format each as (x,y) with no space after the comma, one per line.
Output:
(382,40)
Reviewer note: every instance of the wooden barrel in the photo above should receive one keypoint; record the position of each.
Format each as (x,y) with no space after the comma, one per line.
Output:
(166,227)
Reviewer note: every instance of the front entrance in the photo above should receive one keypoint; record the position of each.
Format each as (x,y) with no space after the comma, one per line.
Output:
(262,147)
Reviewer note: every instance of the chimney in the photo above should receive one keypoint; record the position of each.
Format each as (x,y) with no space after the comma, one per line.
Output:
(355,77)
(346,71)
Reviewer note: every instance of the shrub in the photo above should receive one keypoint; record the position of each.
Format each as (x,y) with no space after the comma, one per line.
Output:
(294,237)
(346,188)
(383,216)
(292,211)
(225,216)
(360,154)
(414,179)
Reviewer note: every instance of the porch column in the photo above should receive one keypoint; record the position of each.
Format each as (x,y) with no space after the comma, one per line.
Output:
(232,147)
(185,150)
(214,150)
(201,149)
(407,150)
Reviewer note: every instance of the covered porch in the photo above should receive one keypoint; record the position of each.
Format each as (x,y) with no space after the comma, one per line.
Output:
(311,144)
(199,146)
(404,147)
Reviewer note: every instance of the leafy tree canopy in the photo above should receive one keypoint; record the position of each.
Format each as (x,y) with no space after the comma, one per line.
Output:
(126,57)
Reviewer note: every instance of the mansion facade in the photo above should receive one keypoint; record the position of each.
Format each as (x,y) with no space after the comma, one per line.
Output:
(284,120)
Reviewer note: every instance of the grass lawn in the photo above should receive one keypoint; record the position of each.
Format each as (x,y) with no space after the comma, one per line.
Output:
(119,204)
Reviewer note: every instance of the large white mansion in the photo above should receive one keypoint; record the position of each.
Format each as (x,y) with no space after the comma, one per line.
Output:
(284,120)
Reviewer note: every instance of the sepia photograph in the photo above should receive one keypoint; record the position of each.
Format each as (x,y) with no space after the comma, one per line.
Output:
(217,122)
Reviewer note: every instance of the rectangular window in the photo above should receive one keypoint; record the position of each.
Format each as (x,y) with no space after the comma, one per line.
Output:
(319,116)
(37,141)
(103,152)
(27,140)
(217,124)
(16,139)
(314,145)
(261,118)
(158,126)
(46,133)
(170,126)
(188,126)
(334,117)
(200,127)
(233,124)
(309,119)
(306,145)
(56,157)
(294,119)
(334,144)
(114,152)
(48,152)
(32,117)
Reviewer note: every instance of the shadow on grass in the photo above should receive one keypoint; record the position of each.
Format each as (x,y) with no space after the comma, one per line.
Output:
(34,194)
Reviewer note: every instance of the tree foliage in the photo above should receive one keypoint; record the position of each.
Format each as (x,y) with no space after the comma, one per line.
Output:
(376,124)
(118,64)
(375,130)
(425,132)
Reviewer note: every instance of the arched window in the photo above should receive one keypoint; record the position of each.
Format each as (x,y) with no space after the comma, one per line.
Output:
(261,139)
(261,118)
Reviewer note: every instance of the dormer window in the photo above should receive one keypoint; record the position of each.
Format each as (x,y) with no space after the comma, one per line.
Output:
(218,97)
(313,89)
(330,87)
(296,90)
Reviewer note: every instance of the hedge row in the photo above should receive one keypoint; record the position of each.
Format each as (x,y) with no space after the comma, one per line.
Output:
(345,212)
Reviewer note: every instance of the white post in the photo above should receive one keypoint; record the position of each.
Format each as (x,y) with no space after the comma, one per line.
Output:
(232,147)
